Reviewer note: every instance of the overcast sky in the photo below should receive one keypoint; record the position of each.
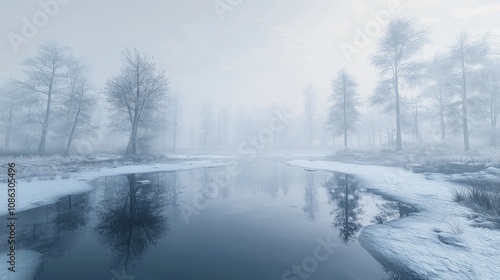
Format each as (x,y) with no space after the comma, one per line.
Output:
(258,52)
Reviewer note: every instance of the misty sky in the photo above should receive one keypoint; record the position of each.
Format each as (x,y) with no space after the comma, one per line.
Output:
(262,51)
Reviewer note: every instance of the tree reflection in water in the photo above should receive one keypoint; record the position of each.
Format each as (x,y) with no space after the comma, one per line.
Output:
(132,220)
(54,228)
(344,192)
(311,205)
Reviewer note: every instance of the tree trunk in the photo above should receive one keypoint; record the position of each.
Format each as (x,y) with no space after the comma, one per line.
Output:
(45,126)
(346,204)
(131,146)
(9,126)
(399,145)
(132,143)
(132,181)
(415,122)
(441,115)
(73,128)
(493,113)
(345,119)
(464,104)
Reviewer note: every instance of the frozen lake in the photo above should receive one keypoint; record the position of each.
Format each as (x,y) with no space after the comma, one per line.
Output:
(271,221)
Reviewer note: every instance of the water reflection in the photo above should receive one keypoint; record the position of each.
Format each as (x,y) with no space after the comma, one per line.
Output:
(131,221)
(52,230)
(173,192)
(311,206)
(344,191)
(245,223)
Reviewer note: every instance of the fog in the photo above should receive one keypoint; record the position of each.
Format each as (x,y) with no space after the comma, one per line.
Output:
(231,65)
(238,139)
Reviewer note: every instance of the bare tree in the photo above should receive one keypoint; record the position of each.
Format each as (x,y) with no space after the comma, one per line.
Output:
(12,109)
(136,93)
(468,55)
(414,105)
(402,40)
(79,102)
(489,84)
(344,113)
(45,73)
(438,87)
(309,109)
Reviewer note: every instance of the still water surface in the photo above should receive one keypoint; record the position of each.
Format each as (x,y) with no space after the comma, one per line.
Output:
(271,221)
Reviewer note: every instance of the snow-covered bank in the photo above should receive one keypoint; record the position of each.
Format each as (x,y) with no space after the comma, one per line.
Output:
(200,156)
(425,244)
(35,193)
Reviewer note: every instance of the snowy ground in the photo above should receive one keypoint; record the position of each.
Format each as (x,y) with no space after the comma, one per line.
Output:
(35,193)
(424,244)
(203,156)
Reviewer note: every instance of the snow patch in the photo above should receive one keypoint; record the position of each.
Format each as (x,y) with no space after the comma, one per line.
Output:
(423,245)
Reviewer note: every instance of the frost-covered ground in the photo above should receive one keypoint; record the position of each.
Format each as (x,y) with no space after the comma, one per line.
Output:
(32,193)
(428,244)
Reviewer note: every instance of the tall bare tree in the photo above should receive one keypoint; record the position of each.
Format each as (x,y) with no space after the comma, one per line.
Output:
(402,41)
(78,102)
(468,55)
(439,87)
(344,113)
(15,98)
(45,73)
(136,94)
(489,85)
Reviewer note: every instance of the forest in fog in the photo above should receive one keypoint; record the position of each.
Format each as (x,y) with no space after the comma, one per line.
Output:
(447,99)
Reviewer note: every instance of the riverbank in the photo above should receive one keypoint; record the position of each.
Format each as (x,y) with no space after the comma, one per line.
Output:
(43,180)
(439,242)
